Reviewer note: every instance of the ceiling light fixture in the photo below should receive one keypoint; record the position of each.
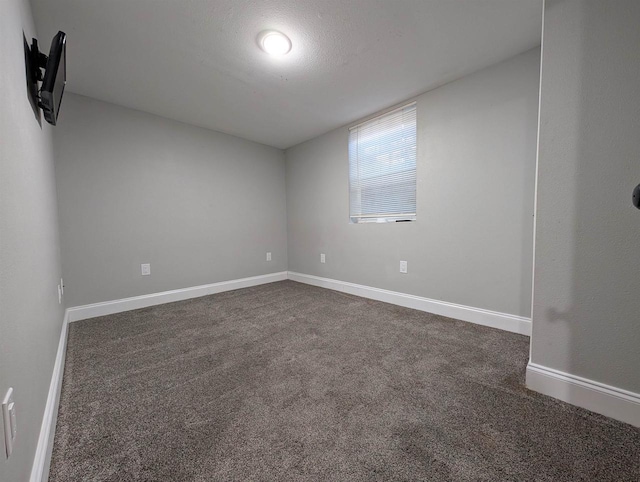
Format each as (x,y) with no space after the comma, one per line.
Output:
(274,43)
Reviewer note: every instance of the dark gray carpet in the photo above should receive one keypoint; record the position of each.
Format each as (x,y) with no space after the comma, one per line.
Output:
(291,382)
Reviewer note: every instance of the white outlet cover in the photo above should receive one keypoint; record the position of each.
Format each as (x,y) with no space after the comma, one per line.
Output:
(62,285)
(323,259)
(403,266)
(268,256)
(145,269)
(9,419)
(59,294)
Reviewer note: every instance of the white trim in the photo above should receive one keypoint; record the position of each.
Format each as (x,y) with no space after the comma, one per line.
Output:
(42,459)
(126,304)
(44,449)
(613,402)
(494,319)
(535,187)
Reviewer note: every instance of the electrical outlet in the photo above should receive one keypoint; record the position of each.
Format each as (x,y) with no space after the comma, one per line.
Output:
(403,267)
(145,269)
(322,258)
(268,256)
(10,422)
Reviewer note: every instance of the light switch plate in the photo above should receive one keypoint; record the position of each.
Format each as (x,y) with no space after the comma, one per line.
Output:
(9,419)
(145,269)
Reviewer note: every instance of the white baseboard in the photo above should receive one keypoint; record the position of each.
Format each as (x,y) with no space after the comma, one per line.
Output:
(613,402)
(44,449)
(42,459)
(494,319)
(117,306)
(606,400)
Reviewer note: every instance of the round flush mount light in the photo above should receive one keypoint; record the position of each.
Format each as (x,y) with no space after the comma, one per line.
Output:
(274,42)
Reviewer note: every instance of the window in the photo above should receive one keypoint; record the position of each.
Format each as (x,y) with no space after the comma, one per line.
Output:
(382,168)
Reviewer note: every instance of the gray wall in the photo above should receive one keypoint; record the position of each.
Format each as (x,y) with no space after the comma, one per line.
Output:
(587,264)
(472,242)
(30,316)
(134,188)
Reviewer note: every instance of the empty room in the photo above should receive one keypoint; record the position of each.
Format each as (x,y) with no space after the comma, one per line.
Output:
(319,240)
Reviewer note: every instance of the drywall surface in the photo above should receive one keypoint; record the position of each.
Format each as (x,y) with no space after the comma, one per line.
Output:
(472,241)
(199,206)
(586,314)
(30,316)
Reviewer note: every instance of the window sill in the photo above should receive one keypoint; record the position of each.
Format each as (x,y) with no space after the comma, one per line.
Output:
(381,221)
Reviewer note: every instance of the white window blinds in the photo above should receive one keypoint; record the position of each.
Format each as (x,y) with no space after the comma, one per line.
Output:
(382,167)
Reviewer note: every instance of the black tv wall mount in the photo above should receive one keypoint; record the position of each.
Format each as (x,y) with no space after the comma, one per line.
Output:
(35,62)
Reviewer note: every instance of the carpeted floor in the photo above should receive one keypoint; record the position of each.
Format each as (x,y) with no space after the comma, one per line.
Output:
(290,382)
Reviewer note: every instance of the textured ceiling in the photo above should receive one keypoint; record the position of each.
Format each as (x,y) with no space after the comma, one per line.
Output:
(197,61)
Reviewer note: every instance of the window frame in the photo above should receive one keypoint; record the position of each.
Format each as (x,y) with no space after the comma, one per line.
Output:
(389,217)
